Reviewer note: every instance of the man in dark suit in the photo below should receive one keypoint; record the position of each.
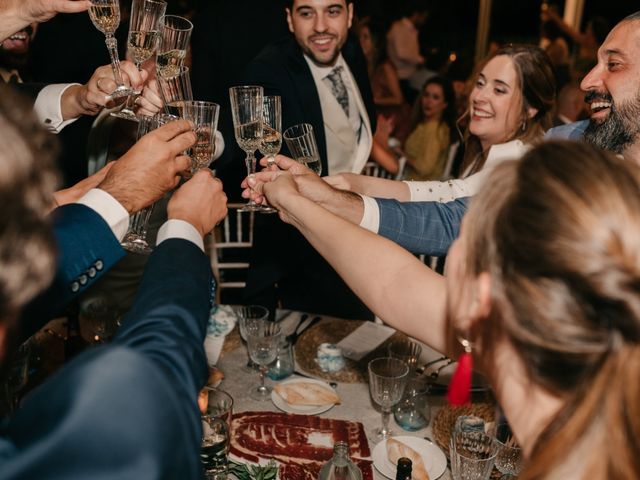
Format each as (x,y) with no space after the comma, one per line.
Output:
(127,409)
(320,73)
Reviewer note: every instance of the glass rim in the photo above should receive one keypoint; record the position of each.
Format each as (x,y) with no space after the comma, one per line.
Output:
(187,27)
(307,127)
(393,360)
(239,88)
(494,441)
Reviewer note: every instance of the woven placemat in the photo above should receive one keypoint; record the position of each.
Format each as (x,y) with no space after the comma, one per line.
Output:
(231,341)
(332,330)
(445,420)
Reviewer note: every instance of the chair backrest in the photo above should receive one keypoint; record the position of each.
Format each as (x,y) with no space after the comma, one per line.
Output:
(453,149)
(229,248)
(373,169)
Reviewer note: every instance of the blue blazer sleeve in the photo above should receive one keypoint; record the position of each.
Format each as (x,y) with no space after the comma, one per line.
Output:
(422,227)
(87,248)
(128,409)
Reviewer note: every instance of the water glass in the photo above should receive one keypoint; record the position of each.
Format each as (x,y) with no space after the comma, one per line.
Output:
(413,412)
(216,427)
(472,455)
(248,314)
(263,338)
(302,145)
(509,458)
(284,364)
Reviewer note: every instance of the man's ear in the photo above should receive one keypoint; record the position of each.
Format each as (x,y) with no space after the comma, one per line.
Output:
(289,21)
(350,12)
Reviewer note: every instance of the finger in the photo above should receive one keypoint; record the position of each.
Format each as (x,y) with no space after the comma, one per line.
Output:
(286,163)
(182,163)
(171,130)
(152,94)
(72,6)
(136,77)
(146,107)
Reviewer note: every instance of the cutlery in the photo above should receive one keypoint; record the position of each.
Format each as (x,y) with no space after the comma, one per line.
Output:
(420,370)
(434,375)
(293,338)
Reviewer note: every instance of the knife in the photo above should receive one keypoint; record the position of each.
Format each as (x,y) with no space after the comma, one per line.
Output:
(302,327)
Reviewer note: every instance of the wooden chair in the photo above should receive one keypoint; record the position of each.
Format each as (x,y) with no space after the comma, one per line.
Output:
(373,169)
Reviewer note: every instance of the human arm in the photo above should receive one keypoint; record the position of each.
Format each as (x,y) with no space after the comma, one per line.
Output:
(17,14)
(394,96)
(75,192)
(397,294)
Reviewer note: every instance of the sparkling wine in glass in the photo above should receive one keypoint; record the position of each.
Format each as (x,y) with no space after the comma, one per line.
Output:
(173,45)
(105,15)
(387,379)
(145,26)
(271,141)
(263,339)
(246,109)
(175,89)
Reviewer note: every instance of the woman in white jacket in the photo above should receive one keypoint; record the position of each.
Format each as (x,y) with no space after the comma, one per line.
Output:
(510,108)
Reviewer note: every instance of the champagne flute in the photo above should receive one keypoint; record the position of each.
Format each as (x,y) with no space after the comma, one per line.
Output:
(387,379)
(175,89)
(303,147)
(145,26)
(263,338)
(204,115)
(105,15)
(173,45)
(246,109)
(271,135)
(135,240)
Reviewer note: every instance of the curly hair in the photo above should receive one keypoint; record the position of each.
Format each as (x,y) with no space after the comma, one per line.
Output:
(27,181)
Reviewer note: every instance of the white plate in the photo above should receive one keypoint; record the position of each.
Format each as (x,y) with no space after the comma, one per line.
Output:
(434,460)
(279,402)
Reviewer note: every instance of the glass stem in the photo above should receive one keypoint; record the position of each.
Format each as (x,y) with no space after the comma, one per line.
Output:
(112,46)
(250,161)
(263,370)
(140,221)
(385,421)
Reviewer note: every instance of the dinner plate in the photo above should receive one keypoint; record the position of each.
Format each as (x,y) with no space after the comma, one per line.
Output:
(279,402)
(434,460)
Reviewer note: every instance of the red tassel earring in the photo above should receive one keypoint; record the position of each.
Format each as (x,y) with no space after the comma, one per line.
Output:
(459,392)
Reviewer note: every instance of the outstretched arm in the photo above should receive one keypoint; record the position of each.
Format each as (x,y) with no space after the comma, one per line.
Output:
(17,14)
(396,286)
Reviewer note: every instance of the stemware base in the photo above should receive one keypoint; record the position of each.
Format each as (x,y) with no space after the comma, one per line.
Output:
(379,434)
(249,207)
(265,209)
(122,91)
(126,114)
(136,244)
(260,393)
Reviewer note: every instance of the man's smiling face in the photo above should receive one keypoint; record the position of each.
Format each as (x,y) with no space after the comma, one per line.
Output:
(613,90)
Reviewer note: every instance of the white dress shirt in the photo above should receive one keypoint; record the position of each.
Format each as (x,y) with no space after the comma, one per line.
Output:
(117,218)
(48,109)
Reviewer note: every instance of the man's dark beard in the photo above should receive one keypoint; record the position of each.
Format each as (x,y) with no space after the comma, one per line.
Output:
(620,129)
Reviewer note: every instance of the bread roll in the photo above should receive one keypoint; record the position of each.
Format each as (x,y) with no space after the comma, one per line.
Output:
(307,393)
(397,449)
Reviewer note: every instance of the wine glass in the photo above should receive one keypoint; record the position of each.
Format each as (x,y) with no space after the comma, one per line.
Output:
(303,147)
(173,45)
(246,315)
(105,15)
(135,240)
(387,379)
(263,338)
(204,115)
(99,313)
(145,26)
(246,109)
(175,88)
(271,134)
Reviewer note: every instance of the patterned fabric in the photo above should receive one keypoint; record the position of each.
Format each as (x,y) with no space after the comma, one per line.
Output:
(338,88)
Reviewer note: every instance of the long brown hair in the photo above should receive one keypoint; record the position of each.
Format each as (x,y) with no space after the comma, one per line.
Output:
(537,87)
(559,234)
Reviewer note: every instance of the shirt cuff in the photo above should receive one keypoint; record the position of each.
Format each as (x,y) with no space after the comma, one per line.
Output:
(109,209)
(48,108)
(174,228)
(371,215)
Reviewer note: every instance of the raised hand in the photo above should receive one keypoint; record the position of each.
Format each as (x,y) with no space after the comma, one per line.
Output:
(151,167)
(199,201)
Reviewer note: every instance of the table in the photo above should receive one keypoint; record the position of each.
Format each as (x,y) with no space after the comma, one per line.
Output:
(357,404)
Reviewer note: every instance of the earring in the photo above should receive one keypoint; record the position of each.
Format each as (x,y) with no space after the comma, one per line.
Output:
(524,125)
(459,392)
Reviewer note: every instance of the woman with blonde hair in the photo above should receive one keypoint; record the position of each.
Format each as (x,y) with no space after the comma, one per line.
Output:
(543,290)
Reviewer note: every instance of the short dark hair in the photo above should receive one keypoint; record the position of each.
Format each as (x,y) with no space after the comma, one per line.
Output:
(289,3)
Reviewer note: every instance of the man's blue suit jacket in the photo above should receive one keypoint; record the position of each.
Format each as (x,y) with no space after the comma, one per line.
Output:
(431,227)
(126,410)
(87,248)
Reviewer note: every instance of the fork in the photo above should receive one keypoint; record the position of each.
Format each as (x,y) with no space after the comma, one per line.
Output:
(434,375)
(420,370)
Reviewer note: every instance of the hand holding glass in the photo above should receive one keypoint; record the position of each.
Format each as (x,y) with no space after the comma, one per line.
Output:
(301,142)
